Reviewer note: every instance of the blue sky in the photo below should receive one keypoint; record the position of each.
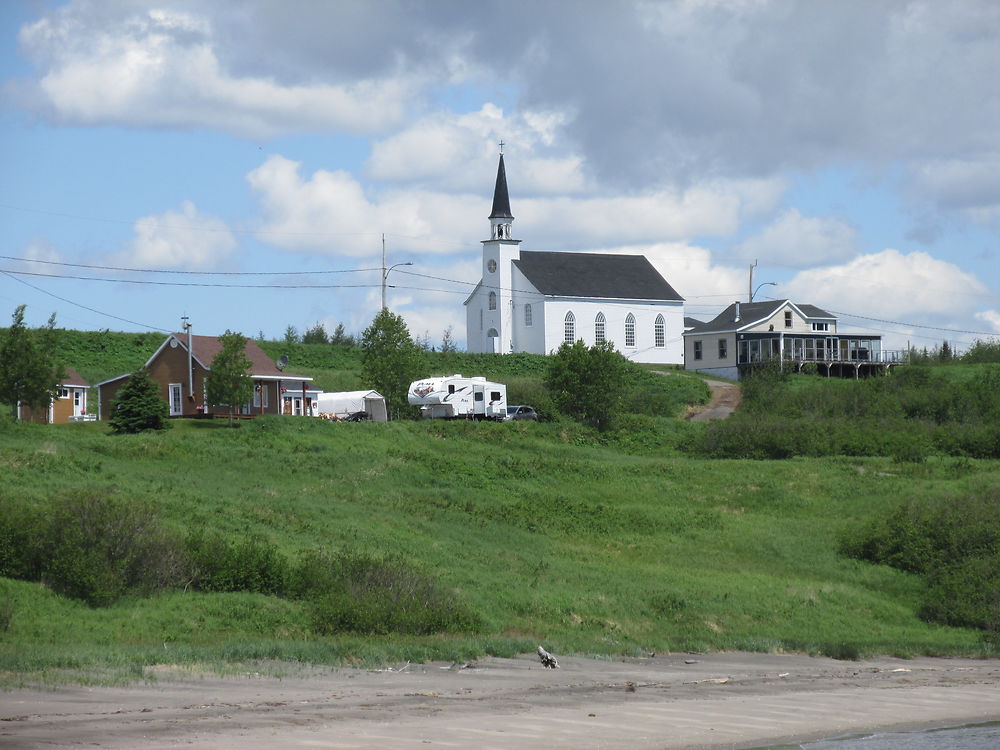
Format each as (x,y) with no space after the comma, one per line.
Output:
(851,149)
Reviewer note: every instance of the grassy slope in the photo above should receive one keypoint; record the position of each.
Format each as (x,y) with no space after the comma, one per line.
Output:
(553,537)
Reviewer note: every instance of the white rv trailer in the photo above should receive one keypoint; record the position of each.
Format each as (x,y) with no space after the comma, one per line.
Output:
(346,404)
(453,397)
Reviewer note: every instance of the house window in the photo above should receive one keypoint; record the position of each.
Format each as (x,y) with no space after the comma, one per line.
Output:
(569,328)
(659,334)
(821,326)
(260,392)
(493,300)
(697,350)
(630,330)
(723,348)
(527,316)
(788,318)
(599,328)
(64,393)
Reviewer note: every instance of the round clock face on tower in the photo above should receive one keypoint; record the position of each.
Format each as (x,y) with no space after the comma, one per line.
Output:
(491,265)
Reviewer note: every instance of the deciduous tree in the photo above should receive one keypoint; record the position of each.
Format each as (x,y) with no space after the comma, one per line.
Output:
(390,359)
(587,383)
(229,382)
(29,372)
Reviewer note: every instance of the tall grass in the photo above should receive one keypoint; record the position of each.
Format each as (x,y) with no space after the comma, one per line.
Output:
(528,532)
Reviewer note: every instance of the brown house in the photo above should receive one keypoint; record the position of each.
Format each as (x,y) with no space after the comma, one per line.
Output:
(70,405)
(180,367)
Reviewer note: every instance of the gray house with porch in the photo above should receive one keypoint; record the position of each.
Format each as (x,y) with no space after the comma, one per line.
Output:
(744,335)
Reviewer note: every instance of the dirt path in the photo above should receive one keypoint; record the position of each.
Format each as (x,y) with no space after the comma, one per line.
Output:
(730,700)
(725,400)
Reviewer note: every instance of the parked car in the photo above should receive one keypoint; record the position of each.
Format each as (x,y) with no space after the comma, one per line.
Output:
(522,412)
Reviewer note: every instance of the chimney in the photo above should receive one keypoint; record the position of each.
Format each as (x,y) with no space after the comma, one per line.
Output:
(736,316)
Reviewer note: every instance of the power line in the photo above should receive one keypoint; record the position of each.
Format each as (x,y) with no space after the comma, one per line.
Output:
(84,307)
(195,273)
(190,283)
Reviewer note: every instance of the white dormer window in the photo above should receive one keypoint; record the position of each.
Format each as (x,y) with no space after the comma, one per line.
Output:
(821,326)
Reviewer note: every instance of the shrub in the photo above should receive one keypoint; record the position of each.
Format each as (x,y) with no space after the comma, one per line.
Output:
(954,543)
(97,547)
(355,592)
(965,593)
(248,564)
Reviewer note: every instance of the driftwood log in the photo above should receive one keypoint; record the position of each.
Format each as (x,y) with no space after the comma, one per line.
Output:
(547,659)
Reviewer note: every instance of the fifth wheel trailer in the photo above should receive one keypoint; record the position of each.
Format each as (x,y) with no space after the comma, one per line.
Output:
(457,397)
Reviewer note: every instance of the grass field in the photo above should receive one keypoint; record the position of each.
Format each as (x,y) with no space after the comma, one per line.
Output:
(549,533)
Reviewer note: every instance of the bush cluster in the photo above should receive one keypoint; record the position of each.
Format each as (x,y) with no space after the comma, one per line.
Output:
(954,543)
(97,548)
(908,416)
(91,546)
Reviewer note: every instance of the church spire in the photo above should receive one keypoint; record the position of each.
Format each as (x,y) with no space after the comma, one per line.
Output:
(501,200)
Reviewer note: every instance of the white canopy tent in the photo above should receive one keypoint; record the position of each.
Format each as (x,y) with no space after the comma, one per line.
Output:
(345,403)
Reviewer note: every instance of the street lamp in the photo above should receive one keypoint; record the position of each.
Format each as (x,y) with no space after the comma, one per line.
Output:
(766,283)
(385,275)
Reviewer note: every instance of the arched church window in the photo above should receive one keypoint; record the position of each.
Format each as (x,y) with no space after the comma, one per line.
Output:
(659,331)
(569,328)
(599,323)
(492,333)
(630,330)
(493,300)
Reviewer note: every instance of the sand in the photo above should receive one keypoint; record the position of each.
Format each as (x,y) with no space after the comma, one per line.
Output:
(730,700)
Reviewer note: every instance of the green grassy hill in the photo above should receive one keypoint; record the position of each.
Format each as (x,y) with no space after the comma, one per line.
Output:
(627,542)
(544,533)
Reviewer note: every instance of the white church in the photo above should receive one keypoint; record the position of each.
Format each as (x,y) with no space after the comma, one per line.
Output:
(531,301)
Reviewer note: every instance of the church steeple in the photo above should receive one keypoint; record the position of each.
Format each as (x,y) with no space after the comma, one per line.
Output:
(501,217)
(501,199)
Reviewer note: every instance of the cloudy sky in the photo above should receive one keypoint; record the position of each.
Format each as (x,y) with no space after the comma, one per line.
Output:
(156,153)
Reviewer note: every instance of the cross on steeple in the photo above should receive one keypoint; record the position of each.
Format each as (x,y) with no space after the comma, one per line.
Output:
(501,147)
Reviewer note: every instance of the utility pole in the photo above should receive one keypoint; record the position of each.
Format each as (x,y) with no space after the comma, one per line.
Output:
(384,271)
(750,285)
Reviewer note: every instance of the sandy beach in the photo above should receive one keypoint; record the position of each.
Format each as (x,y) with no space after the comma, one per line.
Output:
(730,700)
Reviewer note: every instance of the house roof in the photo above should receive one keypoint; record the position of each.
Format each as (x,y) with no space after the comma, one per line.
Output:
(205,348)
(73,379)
(692,322)
(501,199)
(595,275)
(753,313)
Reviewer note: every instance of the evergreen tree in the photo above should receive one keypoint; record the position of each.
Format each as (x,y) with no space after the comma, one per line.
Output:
(229,383)
(390,360)
(291,335)
(315,335)
(139,406)
(29,372)
(340,336)
(448,342)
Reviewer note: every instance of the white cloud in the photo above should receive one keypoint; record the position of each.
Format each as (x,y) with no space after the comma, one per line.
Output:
(456,151)
(160,68)
(183,240)
(42,250)
(914,289)
(991,318)
(798,241)
(331,212)
(690,270)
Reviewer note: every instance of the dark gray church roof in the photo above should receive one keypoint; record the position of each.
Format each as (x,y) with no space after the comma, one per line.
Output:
(501,200)
(594,275)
